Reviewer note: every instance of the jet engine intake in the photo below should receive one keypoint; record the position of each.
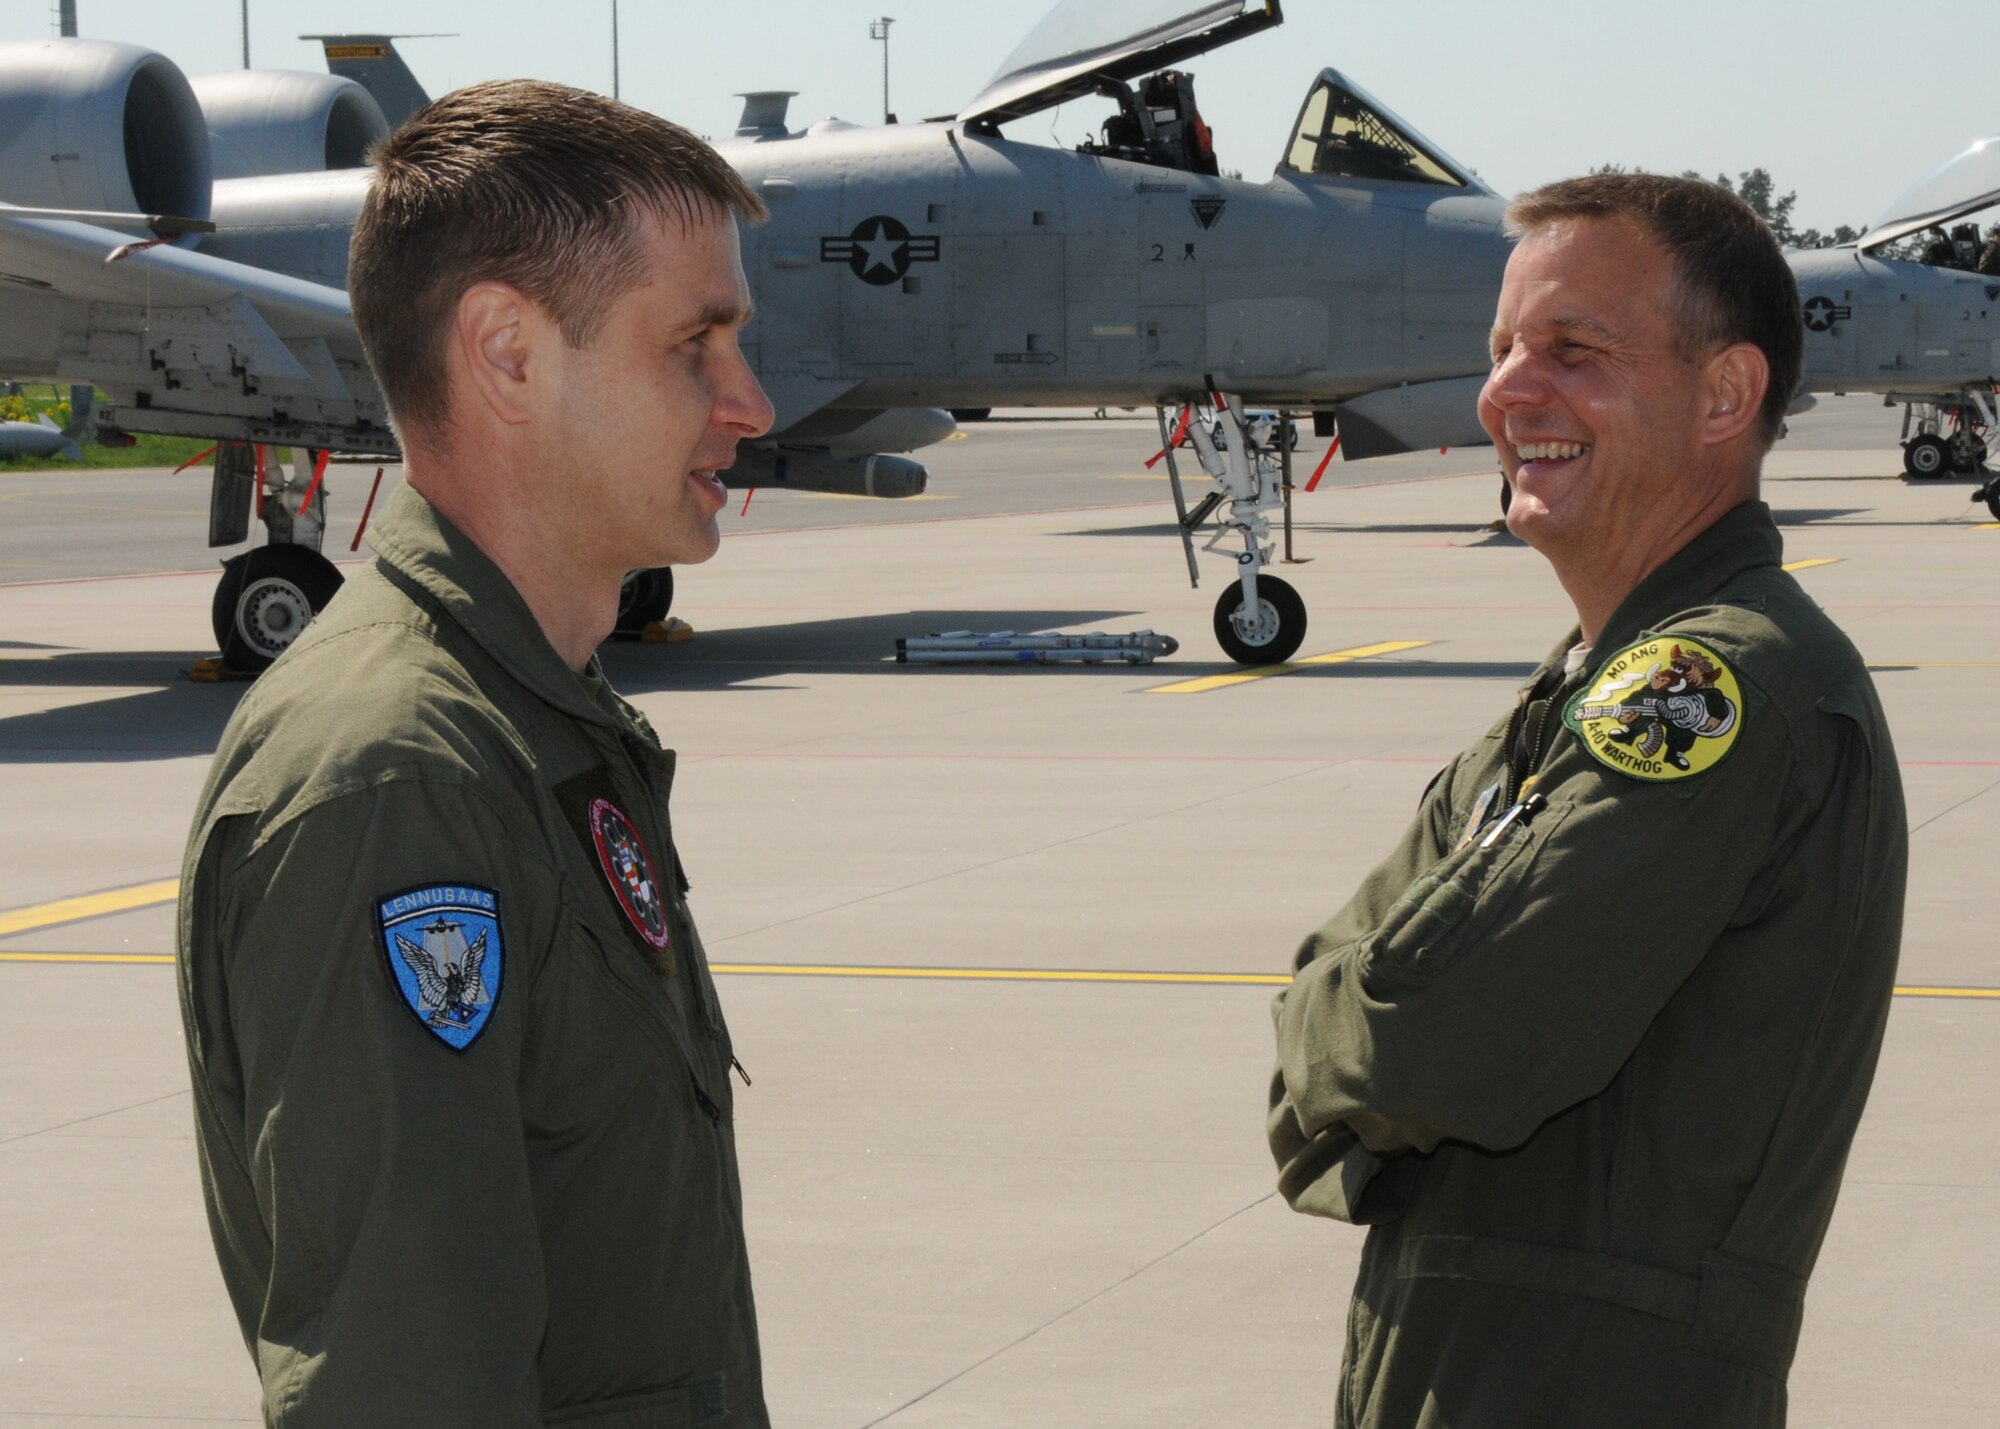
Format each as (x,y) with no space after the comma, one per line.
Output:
(800,469)
(94,124)
(264,121)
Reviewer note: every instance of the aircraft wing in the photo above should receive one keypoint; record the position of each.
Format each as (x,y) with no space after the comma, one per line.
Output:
(1963,184)
(170,318)
(1083,43)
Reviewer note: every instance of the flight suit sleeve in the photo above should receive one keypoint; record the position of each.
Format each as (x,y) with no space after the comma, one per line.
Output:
(1326,1171)
(382,1125)
(1508,981)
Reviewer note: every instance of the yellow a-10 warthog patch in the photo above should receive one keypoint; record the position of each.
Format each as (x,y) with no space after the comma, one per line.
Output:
(1666,708)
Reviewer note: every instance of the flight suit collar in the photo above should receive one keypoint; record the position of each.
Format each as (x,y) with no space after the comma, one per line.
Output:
(1742,539)
(419,543)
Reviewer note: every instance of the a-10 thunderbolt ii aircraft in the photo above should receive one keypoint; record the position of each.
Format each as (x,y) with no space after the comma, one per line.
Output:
(1925,334)
(906,270)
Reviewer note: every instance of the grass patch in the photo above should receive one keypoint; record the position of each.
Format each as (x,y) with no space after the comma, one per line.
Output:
(150,450)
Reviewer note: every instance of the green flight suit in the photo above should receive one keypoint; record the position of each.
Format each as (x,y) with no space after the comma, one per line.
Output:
(516,1204)
(1591,1075)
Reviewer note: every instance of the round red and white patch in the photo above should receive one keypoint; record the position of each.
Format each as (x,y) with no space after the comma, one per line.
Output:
(621,853)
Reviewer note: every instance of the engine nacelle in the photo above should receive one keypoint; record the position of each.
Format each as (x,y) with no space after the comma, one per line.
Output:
(264,121)
(790,468)
(847,431)
(93,124)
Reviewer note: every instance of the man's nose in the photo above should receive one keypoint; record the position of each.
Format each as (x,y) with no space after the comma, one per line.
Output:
(1515,381)
(743,405)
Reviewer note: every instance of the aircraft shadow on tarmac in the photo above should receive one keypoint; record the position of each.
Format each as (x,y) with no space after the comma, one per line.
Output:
(153,713)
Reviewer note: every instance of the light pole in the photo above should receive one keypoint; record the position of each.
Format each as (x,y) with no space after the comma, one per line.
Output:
(246,34)
(879,30)
(614,49)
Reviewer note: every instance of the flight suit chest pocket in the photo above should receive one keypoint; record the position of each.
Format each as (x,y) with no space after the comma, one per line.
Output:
(1458,899)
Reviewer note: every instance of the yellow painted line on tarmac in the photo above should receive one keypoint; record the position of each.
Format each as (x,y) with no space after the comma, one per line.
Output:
(1290,667)
(1809,564)
(1987,526)
(86,957)
(90,905)
(941,974)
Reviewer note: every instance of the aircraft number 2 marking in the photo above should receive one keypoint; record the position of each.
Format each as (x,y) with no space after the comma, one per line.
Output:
(1159,253)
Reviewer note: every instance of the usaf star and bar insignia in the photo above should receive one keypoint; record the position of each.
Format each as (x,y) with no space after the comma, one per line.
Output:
(1664,709)
(444,949)
(880,250)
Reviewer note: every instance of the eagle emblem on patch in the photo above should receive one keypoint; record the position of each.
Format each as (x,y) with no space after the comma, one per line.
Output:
(443,945)
(1666,708)
(621,853)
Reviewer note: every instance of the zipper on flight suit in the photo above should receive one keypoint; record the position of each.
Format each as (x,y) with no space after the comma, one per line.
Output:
(709,1013)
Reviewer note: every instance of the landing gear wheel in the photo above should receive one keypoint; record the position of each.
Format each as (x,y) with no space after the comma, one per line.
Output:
(265,598)
(645,597)
(1506,495)
(1927,456)
(1279,629)
(1990,493)
(1968,453)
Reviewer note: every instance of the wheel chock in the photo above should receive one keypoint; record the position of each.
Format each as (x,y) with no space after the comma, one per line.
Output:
(211,670)
(671,631)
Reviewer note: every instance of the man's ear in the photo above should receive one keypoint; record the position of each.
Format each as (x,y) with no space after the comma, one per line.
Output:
(1736,379)
(499,345)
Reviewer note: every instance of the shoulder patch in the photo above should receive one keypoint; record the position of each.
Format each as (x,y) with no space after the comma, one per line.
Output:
(1664,709)
(621,853)
(444,948)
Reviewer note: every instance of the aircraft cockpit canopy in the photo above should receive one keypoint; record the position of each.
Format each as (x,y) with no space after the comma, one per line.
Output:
(1086,47)
(1343,133)
(1961,185)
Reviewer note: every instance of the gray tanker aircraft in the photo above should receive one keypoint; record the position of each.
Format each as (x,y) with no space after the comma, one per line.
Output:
(1924,334)
(906,270)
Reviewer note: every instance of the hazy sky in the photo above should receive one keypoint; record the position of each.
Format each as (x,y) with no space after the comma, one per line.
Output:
(1845,101)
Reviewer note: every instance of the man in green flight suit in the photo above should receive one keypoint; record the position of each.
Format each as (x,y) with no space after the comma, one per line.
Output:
(1587,1051)
(461,1078)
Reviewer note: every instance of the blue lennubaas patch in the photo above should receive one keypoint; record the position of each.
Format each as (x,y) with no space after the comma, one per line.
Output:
(443,944)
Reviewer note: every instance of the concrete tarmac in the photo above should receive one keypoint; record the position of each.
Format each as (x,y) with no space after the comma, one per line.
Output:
(996,944)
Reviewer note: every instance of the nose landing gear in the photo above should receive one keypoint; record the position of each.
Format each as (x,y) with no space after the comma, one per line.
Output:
(1260,619)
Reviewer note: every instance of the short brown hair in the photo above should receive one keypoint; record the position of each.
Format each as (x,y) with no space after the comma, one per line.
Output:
(523,182)
(1731,283)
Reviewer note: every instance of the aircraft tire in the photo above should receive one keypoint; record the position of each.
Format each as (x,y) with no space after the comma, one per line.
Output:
(1991,493)
(645,597)
(1281,631)
(265,598)
(1506,495)
(1926,457)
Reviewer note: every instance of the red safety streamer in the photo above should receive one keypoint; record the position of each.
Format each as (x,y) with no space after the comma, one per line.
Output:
(1324,462)
(355,544)
(319,475)
(198,456)
(1180,435)
(746,503)
(258,452)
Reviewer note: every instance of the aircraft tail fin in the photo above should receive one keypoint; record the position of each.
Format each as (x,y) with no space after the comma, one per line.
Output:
(371,61)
